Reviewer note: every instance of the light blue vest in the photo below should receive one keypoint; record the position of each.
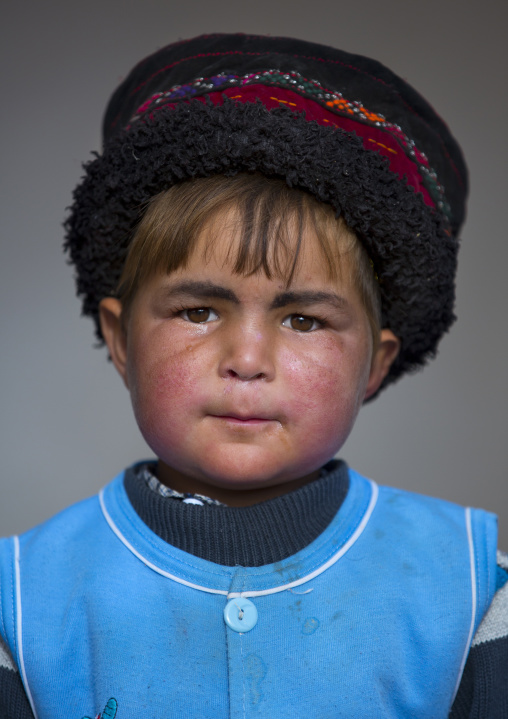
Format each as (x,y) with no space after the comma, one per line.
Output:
(373,619)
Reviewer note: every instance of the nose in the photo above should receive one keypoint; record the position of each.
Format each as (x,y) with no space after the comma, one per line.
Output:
(248,354)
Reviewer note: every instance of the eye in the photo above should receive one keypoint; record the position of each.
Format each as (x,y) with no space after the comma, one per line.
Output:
(199,315)
(301,323)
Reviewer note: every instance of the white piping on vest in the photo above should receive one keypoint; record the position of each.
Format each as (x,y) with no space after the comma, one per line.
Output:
(146,561)
(473,598)
(19,626)
(356,534)
(330,562)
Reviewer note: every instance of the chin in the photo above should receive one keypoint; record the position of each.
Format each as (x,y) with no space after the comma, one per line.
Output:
(240,476)
(253,470)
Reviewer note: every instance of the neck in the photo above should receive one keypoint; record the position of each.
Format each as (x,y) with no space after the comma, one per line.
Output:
(237,497)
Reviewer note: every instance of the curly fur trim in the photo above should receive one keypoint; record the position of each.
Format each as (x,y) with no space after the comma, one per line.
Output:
(412,251)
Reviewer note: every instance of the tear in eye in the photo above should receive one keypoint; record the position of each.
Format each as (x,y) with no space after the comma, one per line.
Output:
(199,315)
(301,323)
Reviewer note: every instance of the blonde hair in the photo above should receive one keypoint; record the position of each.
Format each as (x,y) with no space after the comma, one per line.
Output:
(268,213)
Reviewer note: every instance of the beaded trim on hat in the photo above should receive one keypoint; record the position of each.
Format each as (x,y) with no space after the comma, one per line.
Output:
(332,100)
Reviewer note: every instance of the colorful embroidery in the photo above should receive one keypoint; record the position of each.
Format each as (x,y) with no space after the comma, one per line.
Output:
(332,100)
(109,710)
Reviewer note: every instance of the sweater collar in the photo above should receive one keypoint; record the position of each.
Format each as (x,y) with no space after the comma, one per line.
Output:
(246,536)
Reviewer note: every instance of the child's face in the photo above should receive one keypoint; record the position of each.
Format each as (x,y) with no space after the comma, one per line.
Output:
(241,382)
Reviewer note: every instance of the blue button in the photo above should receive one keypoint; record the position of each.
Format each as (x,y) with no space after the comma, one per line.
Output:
(240,614)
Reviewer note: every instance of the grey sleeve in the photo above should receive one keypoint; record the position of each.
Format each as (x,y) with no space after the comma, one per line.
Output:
(483,691)
(14,703)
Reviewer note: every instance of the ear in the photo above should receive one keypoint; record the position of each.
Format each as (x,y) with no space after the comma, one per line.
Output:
(113,331)
(387,350)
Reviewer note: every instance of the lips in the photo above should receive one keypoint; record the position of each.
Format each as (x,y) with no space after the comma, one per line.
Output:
(243,419)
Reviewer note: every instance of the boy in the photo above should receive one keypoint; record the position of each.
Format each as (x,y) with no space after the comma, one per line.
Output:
(268,239)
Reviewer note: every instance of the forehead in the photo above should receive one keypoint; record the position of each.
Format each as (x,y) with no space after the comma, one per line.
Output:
(290,252)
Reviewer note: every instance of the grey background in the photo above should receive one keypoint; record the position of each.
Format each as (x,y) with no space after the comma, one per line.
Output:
(66,425)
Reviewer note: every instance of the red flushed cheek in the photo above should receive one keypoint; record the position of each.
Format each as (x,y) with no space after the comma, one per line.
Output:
(322,388)
(171,381)
(163,394)
(318,396)
(308,378)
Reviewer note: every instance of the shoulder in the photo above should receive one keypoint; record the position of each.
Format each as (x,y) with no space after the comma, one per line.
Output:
(74,534)
(59,548)
(64,530)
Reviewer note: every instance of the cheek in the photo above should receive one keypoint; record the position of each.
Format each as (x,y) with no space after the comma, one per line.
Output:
(163,389)
(328,383)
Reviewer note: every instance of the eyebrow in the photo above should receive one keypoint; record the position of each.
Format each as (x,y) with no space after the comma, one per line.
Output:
(201,290)
(309,297)
(206,290)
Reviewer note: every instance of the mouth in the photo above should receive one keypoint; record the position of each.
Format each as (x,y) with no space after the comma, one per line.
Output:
(242,420)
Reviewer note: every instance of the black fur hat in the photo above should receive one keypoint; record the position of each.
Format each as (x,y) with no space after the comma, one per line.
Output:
(341,126)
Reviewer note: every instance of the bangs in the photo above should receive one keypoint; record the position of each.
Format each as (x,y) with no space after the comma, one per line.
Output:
(267,221)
